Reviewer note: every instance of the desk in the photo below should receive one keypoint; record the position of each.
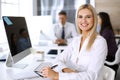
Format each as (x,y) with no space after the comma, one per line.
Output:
(32,60)
(7,73)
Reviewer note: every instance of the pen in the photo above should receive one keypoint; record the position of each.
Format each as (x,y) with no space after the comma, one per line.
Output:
(54,66)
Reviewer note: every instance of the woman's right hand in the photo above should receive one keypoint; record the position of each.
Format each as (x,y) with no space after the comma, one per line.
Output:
(47,72)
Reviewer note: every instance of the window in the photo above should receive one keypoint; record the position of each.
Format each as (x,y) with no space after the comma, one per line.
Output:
(16,8)
(52,7)
(9,7)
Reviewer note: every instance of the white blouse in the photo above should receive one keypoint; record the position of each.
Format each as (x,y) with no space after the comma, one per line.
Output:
(88,63)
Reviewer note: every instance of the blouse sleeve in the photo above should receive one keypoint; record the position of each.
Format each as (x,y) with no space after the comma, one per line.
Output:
(98,52)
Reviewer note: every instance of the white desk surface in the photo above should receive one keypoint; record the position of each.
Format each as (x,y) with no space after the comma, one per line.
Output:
(50,46)
(33,60)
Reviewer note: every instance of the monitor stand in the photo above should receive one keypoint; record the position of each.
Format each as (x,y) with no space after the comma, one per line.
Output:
(10,63)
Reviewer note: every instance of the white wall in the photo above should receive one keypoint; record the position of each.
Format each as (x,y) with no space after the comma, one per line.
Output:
(0,7)
(3,37)
(40,23)
(26,7)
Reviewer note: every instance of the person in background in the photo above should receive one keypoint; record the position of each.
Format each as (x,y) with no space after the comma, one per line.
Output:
(84,57)
(107,32)
(64,31)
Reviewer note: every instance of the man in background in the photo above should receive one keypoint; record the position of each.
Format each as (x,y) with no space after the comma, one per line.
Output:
(63,30)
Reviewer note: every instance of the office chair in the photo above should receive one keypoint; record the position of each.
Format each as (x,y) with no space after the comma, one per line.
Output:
(108,73)
(117,58)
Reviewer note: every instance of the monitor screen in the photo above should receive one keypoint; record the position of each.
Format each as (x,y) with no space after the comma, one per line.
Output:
(17,35)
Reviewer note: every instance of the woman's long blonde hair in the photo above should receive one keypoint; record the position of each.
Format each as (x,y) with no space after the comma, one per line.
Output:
(93,32)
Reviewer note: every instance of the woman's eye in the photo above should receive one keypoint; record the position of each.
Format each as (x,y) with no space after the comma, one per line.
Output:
(79,16)
(88,16)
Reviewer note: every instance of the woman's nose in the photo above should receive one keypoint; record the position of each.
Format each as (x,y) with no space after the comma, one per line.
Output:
(83,19)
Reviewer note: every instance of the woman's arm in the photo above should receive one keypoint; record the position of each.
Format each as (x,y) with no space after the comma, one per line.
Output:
(60,60)
(98,55)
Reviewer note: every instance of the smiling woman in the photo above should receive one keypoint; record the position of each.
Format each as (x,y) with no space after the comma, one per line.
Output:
(84,57)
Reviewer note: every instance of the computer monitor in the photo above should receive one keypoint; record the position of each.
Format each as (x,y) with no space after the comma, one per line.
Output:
(18,37)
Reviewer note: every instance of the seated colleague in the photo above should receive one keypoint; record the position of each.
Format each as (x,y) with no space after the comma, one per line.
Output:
(63,30)
(84,57)
(107,32)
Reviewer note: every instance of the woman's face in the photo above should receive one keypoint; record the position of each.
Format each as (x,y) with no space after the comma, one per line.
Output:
(85,20)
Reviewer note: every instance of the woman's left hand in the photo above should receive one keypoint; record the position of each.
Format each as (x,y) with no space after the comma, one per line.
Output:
(47,72)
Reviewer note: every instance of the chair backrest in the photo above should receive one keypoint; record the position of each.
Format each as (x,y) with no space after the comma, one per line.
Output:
(117,58)
(108,73)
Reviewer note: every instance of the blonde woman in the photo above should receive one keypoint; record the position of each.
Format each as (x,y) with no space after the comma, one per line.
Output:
(84,58)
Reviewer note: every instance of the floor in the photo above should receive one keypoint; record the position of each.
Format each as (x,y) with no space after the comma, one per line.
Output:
(118,75)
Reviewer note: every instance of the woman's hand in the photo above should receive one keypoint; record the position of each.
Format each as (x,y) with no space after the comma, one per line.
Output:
(68,70)
(47,72)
